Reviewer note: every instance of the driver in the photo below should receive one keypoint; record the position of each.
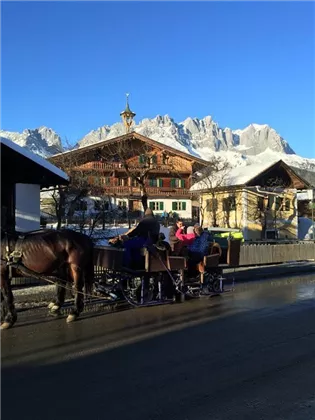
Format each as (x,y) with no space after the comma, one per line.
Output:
(146,232)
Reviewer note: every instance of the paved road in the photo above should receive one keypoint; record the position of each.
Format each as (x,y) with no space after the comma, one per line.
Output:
(248,355)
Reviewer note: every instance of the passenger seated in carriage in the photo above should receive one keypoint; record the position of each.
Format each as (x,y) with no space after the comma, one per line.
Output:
(161,243)
(145,233)
(183,241)
(186,238)
(173,240)
(199,248)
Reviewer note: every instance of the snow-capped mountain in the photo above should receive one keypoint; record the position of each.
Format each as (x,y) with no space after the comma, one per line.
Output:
(42,141)
(199,137)
(195,134)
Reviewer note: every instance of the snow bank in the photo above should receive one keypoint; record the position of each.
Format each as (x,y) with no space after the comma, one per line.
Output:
(305,228)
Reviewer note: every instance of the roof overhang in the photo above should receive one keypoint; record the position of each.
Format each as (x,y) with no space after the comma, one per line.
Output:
(81,154)
(18,165)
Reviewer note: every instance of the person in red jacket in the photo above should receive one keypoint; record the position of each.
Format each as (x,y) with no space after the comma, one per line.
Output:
(186,238)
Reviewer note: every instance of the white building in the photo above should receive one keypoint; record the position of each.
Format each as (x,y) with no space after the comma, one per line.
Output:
(23,176)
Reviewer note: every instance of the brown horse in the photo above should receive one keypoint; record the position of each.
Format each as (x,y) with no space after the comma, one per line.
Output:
(64,253)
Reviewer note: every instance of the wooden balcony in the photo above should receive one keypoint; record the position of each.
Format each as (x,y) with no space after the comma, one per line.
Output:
(100,166)
(151,191)
(116,166)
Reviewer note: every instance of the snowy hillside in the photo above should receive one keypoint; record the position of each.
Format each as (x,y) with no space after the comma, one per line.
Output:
(204,138)
(42,141)
(196,134)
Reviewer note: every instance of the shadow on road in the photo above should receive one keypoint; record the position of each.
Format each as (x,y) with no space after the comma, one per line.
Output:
(207,363)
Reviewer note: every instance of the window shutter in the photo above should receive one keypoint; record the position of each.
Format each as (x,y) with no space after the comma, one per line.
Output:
(160,182)
(161,205)
(174,205)
(173,182)
(182,183)
(183,205)
(151,182)
(151,205)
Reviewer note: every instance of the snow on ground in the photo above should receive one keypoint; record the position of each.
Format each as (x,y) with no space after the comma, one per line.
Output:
(34,290)
(305,228)
(101,236)
(115,231)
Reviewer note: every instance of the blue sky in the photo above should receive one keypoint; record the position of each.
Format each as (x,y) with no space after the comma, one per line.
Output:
(67,65)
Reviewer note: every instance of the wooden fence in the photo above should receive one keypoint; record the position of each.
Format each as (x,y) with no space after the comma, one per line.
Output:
(260,254)
(239,255)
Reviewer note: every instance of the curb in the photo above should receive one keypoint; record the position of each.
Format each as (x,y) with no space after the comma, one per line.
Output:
(272,272)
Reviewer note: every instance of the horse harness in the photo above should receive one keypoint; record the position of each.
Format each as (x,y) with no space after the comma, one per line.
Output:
(16,255)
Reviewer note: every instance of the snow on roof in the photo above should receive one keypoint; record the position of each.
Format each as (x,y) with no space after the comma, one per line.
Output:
(35,158)
(239,175)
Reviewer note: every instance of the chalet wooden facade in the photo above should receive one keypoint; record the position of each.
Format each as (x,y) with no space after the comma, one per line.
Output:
(259,200)
(125,168)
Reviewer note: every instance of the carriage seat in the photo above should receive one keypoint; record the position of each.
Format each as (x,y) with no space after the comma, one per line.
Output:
(213,257)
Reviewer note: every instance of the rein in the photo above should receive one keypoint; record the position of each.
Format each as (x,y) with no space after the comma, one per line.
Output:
(25,270)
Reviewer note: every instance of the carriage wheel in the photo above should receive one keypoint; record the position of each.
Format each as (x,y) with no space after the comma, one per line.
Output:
(138,291)
(215,285)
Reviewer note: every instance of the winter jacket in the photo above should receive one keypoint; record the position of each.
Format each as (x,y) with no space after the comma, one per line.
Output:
(148,228)
(172,236)
(186,238)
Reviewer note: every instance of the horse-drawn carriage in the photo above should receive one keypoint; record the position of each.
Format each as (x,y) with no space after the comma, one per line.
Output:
(66,256)
(163,277)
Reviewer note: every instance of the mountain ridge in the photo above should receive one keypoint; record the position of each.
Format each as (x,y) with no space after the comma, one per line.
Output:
(199,137)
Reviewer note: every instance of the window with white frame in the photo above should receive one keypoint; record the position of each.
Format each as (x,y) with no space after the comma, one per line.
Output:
(105,180)
(178,183)
(178,205)
(156,205)
(155,182)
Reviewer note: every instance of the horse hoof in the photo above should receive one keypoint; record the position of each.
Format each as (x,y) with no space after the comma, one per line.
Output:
(72,317)
(6,325)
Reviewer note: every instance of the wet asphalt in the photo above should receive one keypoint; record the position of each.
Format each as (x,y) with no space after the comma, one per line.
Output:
(249,354)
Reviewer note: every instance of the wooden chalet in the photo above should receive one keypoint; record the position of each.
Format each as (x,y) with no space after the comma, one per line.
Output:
(261,200)
(113,166)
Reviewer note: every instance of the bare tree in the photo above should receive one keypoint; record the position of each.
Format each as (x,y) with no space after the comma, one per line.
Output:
(213,179)
(67,198)
(138,160)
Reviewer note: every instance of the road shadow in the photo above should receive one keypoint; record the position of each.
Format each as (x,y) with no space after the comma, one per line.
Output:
(186,371)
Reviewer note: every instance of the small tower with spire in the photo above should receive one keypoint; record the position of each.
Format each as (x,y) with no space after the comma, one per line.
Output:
(127,115)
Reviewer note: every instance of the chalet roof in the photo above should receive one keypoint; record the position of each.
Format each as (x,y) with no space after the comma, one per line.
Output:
(309,176)
(83,150)
(242,176)
(29,167)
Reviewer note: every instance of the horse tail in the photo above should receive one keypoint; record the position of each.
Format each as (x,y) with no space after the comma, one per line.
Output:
(89,272)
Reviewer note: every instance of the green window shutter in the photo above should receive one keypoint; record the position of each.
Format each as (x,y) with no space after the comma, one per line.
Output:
(182,183)
(183,205)
(142,159)
(174,205)
(154,159)
(172,182)
(160,182)
(161,205)
(151,205)
(151,182)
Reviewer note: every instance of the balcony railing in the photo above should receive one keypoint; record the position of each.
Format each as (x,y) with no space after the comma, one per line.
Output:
(101,166)
(151,191)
